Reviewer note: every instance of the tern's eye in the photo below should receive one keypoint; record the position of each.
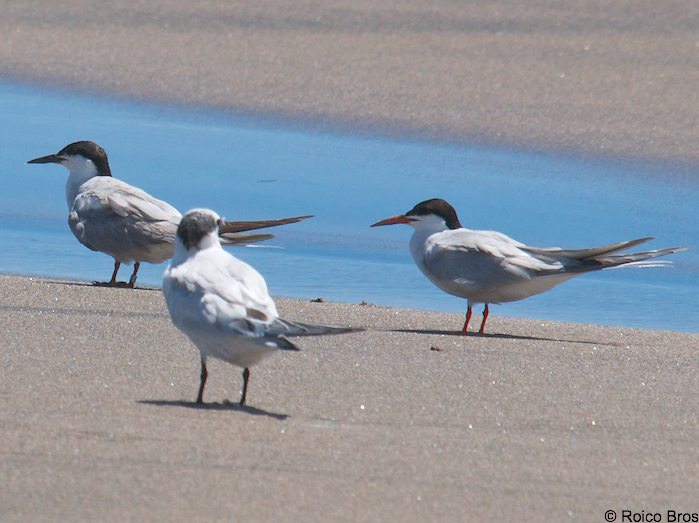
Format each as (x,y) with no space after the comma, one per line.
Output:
(219,222)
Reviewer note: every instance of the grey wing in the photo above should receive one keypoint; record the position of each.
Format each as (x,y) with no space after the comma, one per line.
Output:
(220,326)
(193,309)
(78,229)
(223,293)
(485,256)
(126,232)
(489,268)
(470,269)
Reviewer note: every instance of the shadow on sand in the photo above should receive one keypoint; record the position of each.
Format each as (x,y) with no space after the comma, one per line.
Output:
(225,405)
(119,285)
(501,336)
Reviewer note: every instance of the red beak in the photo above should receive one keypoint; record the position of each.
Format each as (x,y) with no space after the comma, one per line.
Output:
(393,220)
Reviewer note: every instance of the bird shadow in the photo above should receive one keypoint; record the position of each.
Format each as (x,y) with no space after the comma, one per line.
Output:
(106,285)
(225,405)
(495,335)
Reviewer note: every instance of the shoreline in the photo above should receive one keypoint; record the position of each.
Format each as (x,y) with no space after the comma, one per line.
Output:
(667,168)
(456,315)
(439,303)
(441,318)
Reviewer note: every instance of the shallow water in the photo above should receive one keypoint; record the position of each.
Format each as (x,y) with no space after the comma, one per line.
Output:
(246,169)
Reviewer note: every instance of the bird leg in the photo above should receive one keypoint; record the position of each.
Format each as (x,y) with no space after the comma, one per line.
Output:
(246,377)
(468,319)
(485,317)
(132,280)
(204,375)
(112,282)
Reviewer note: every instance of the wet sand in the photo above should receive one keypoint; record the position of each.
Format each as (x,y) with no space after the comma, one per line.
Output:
(409,421)
(597,77)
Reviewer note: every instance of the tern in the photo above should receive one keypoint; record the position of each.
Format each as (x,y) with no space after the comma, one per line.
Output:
(490,267)
(123,221)
(222,304)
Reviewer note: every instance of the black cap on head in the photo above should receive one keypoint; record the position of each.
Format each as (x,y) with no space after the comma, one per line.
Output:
(195,225)
(91,151)
(438,207)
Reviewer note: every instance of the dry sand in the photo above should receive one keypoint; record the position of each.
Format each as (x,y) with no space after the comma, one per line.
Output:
(601,77)
(536,422)
(540,421)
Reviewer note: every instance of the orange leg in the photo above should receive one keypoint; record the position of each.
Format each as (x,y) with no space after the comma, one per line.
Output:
(485,318)
(468,319)
(112,282)
(132,280)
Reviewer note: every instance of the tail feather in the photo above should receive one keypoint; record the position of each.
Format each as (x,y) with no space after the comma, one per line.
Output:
(590,253)
(643,264)
(229,227)
(282,343)
(240,239)
(640,259)
(291,328)
(637,259)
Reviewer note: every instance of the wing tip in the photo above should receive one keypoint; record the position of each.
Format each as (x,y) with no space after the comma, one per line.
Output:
(232,238)
(283,343)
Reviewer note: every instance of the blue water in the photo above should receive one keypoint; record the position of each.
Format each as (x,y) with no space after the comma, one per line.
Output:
(247,169)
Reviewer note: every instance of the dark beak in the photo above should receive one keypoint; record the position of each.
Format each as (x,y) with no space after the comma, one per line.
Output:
(393,220)
(52,158)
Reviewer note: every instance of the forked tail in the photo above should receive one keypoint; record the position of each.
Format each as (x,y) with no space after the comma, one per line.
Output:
(638,259)
(603,257)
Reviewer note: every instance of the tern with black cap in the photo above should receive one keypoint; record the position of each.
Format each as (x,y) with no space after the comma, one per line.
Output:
(490,267)
(123,221)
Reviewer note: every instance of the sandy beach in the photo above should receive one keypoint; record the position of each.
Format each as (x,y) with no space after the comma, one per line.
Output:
(408,421)
(405,422)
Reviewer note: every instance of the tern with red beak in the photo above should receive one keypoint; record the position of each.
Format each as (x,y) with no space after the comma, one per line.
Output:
(490,267)
(118,219)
